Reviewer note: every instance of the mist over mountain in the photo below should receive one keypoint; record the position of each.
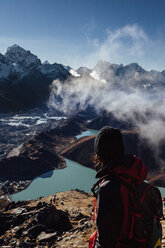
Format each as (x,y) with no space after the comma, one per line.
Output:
(25,83)
(128,93)
(123,90)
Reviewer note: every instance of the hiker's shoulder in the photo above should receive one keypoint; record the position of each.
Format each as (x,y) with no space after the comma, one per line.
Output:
(110,186)
(109,183)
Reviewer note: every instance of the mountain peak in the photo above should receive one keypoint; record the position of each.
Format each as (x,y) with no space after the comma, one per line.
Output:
(21,58)
(46,62)
(15,48)
(134,67)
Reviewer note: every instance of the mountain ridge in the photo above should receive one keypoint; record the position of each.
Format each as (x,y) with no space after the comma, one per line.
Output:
(19,65)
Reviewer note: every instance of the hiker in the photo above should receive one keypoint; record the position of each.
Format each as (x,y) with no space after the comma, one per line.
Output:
(128,210)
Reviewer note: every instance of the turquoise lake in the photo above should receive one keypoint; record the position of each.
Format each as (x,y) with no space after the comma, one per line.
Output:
(74,176)
(87,133)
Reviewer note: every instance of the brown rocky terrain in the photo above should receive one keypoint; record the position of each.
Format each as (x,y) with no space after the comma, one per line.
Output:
(81,151)
(61,220)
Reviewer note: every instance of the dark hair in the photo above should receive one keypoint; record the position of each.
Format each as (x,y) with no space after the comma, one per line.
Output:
(108,145)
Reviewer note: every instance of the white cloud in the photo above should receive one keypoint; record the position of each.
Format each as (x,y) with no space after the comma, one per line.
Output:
(125,45)
(134,97)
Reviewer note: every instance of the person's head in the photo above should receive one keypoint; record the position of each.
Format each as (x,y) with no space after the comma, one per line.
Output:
(108,145)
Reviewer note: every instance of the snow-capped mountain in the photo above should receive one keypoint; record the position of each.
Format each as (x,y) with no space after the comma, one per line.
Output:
(122,77)
(53,70)
(18,61)
(24,80)
(5,66)
(21,59)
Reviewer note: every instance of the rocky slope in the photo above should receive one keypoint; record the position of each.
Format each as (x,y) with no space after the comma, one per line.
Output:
(61,220)
(81,151)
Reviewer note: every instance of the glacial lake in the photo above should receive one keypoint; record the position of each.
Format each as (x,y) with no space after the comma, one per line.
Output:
(87,133)
(74,176)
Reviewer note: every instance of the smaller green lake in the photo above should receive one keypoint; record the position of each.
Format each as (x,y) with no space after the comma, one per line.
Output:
(87,133)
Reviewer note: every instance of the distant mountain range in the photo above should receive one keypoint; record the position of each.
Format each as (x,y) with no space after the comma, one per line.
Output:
(122,77)
(25,81)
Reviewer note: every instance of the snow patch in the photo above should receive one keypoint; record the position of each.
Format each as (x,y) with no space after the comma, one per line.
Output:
(74,73)
(96,76)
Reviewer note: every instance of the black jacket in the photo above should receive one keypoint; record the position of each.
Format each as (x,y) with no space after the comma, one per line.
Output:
(110,211)
(109,214)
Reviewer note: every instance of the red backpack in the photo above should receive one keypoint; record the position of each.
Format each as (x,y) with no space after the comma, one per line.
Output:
(137,231)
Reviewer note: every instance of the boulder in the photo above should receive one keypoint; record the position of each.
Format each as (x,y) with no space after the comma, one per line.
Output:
(34,231)
(46,237)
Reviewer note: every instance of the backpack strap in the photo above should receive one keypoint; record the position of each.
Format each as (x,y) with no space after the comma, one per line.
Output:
(94,210)
(96,186)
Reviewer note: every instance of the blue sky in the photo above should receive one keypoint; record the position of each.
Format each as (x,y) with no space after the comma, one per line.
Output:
(81,32)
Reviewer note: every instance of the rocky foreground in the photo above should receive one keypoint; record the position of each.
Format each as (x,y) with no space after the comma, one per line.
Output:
(61,220)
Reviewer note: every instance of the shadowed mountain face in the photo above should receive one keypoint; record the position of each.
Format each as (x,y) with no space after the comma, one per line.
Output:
(29,91)
(108,119)
(32,159)
(25,81)
(71,126)
(81,151)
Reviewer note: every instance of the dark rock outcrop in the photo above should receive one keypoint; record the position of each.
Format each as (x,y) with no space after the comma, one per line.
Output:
(29,91)
(71,126)
(25,81)
(26,221)
(81,151)
(35,157)
(108,119)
